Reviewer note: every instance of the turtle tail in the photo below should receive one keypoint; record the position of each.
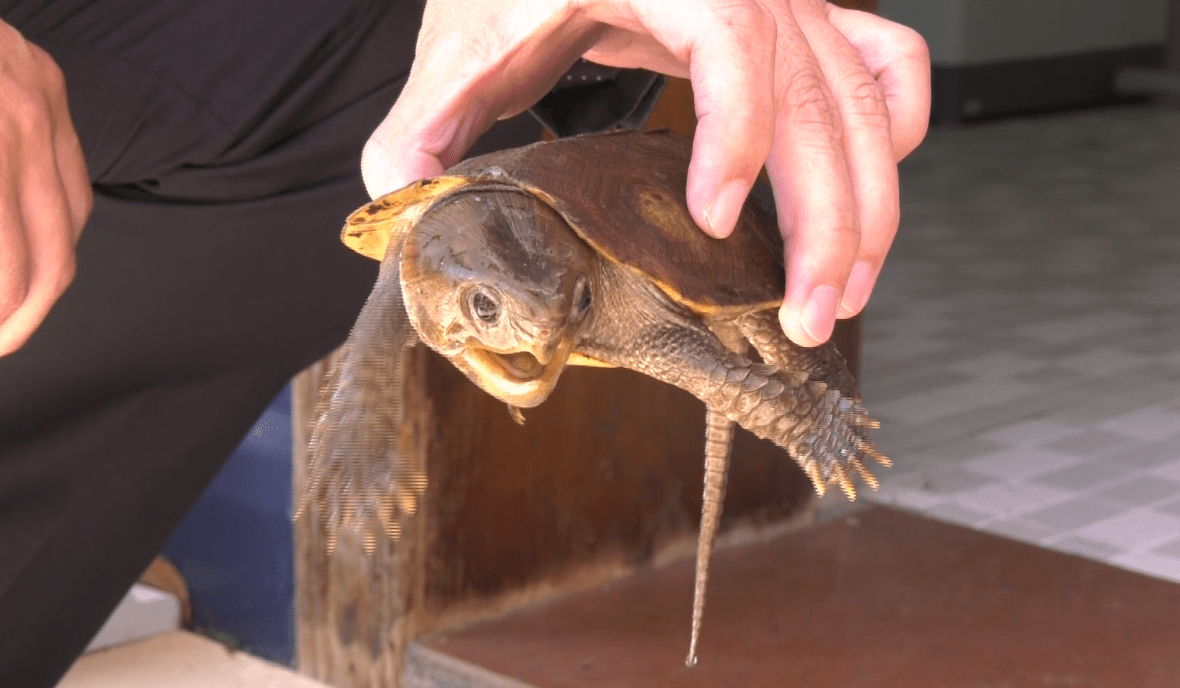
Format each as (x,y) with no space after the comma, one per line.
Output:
(718,438)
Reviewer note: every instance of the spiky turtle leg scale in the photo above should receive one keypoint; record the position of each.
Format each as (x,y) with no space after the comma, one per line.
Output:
(823,362)
(824,431)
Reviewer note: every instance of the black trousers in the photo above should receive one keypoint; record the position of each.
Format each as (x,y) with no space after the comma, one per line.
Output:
(223,139)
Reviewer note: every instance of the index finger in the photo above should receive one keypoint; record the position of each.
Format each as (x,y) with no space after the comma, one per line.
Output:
(808,169)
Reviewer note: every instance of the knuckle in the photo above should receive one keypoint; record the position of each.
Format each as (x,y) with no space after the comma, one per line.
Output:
(749,20)
(805,97)
(51,73)
(864,94)
(864,101)
(910,43)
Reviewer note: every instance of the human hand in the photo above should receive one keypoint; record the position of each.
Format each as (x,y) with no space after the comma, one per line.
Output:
(828,99)
(45,194)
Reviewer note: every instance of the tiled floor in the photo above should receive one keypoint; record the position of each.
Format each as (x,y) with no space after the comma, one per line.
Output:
(1022,348)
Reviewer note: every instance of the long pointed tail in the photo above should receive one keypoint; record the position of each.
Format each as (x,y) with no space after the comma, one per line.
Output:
(718,439)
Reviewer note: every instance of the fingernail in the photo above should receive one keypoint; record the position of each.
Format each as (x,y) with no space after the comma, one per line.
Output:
(856,292)
(819,313)
(722,213)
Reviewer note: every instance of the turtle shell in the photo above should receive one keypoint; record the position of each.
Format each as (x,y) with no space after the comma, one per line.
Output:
(624,194)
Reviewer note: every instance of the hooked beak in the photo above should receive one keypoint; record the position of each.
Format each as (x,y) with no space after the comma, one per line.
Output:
(522,378)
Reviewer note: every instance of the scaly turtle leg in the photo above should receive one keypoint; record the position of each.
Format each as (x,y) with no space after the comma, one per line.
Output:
(822,362)
(823,429)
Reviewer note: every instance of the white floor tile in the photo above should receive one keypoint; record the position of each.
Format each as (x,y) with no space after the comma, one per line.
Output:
(1020,462)
(1134,531)
(1044,275)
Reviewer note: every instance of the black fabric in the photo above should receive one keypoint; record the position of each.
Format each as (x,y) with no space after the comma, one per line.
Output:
(224,140)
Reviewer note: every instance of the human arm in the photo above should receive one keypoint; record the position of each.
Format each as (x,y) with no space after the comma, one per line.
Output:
(45,194)
(829,99)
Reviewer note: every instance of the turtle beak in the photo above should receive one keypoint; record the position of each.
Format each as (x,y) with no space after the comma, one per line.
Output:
(523,379)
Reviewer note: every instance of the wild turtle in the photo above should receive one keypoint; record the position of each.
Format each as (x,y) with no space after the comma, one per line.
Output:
(578,251)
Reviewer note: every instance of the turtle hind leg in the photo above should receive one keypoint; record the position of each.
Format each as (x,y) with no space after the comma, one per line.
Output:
(718,440)
(838,448)
(822,362)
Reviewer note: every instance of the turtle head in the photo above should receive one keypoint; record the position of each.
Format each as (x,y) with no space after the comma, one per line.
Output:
(497,281)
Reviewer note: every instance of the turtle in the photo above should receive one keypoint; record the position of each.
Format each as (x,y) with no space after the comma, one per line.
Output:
(578,251)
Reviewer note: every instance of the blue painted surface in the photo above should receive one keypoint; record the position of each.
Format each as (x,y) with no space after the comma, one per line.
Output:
(235,547)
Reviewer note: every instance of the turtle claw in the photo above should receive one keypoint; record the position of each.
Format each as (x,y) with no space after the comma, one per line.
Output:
(865,474)
(817,478)
(844,450)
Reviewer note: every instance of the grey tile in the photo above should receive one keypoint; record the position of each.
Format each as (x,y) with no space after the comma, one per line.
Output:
(956,513)
(1081,476)
(1168,549)
(1023,529)
(976,421)
(1152,423)
(1049,375)
(956,451)
(1149,455)
(1168,469)
(1086,410)
(1018,463)
(1167,568)
(996,363)
(953,480)
(885,387)
(1009,499)
(1087,547)
(1028,432)
(1134,530)
(1089,443)
(1140,491)
(898,440)
(1075,513)
(961,398)
(1071,329)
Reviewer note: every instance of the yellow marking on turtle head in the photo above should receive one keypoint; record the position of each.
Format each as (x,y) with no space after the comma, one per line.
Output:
(370,228)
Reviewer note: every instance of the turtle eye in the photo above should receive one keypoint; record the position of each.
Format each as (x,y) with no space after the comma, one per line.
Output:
(582,299)
(484,307)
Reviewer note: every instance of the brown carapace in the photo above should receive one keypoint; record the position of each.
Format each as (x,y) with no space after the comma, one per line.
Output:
(579,251)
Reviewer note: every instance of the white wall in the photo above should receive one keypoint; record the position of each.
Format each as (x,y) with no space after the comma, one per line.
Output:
(968,32)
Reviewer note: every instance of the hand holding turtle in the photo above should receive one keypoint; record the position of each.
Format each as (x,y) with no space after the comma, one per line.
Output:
(45,194)
(828,99)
